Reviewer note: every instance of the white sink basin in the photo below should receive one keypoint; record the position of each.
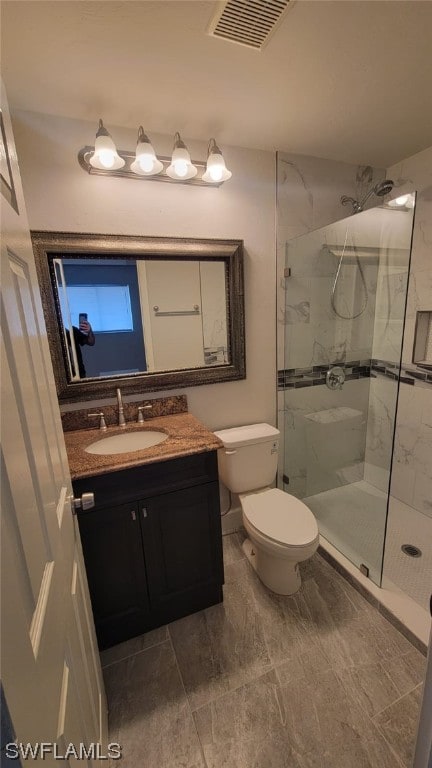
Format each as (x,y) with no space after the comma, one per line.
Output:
(127,442)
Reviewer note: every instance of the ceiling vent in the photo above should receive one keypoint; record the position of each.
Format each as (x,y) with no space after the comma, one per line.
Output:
(248,22)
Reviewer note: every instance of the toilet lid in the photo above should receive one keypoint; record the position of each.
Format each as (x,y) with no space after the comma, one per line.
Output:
(281,517)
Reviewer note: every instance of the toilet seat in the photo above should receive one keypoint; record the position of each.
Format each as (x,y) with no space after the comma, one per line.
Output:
(280,517)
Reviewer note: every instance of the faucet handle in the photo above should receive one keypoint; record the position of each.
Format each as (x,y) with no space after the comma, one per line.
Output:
(142,408)
(335,377)
(102,423)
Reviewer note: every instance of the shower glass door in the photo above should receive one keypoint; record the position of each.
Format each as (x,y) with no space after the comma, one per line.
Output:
(344,316)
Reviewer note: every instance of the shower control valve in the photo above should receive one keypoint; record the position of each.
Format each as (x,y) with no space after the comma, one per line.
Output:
(335,377)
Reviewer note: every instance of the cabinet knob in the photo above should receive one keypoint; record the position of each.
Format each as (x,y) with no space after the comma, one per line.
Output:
(133,515)
(86,501)
(144,511)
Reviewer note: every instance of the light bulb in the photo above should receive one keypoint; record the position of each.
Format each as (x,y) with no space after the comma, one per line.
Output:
(216,172)
(146,163)
(401,200)
(181,168)
(106,158)
(105,155)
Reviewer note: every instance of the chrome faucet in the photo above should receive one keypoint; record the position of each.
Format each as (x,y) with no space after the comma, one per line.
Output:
(121,418)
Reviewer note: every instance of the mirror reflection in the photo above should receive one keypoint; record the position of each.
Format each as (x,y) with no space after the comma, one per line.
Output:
(144,313)
(123,316)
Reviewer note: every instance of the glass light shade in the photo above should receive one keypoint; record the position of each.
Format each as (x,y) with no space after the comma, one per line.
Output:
(216,171)
(398,201)
(181,167)
(105,156)
(410,203)
(146,162)
(403,201)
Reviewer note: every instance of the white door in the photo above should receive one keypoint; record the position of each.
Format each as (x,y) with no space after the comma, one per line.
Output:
(50,666)
(173,287)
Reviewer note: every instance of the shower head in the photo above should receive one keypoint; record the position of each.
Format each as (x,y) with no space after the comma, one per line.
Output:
(382,188)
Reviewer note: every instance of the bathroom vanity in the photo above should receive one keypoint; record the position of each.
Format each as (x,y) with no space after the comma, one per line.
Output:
(152,543)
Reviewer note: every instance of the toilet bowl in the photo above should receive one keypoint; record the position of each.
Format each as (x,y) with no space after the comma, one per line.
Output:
(282,530)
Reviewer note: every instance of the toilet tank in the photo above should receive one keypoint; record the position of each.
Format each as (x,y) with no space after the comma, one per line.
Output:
(249,457)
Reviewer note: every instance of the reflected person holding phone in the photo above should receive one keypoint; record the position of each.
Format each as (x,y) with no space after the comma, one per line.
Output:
(82,336)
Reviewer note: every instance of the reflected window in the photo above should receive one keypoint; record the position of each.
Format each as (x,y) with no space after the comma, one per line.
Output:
(108,307)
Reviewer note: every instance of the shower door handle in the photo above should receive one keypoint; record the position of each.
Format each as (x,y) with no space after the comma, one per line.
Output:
(335,377)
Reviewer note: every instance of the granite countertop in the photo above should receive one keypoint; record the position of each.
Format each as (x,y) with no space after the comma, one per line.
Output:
(186,436)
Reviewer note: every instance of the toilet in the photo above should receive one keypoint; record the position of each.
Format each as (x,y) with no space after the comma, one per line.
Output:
(282,530)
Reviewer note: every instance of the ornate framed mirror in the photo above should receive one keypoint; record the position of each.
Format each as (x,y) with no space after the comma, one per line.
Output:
(140,313)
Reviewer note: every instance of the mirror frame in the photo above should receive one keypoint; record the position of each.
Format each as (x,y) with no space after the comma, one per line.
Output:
(49,245)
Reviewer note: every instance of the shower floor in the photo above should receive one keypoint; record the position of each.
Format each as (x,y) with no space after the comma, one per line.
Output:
(352,517)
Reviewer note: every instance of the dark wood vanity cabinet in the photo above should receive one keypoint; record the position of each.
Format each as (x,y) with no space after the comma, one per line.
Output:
(152,544)
(116,572)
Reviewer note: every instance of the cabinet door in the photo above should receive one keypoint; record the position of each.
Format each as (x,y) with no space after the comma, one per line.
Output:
(183,551)
(116,575)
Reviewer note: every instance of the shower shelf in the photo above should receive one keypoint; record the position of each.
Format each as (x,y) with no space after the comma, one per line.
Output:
(332,415)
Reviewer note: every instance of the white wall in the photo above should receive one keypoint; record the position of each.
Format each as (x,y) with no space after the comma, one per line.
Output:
(61,196)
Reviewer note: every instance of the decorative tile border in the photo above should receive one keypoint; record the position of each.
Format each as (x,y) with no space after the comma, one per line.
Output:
(297,378)
(409,373)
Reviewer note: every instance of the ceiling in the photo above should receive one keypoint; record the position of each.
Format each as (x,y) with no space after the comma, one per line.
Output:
(347,80)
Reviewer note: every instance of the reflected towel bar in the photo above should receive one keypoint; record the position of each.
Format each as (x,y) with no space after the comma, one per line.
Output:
(194,311)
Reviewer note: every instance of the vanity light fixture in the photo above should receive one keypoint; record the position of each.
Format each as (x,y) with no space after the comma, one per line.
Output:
(104,160)
(216,168)
(105,156)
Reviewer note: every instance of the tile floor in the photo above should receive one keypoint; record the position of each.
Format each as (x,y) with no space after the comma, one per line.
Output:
(316,680)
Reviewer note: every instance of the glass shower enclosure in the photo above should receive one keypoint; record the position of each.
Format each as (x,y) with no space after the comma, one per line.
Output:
(345,301)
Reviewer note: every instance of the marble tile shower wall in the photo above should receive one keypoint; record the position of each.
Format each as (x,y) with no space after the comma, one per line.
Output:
(412,467)
(325,434)
(387,334)
(314,335)
(410,504)
(308,197)
(412,473)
